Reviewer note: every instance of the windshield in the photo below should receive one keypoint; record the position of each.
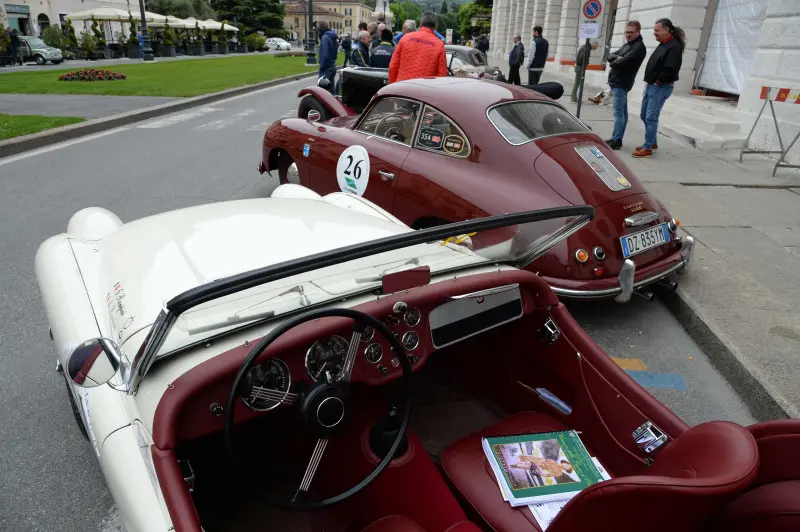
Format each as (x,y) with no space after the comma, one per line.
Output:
(36,43)
(360,268)
(476,57)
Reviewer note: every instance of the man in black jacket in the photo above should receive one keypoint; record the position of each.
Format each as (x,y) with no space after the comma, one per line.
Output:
(515,60)
(625,64)
(539,49)
(660,74)
(381,55)
(580,58)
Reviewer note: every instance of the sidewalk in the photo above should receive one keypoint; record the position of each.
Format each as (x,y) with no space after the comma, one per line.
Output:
(741,297)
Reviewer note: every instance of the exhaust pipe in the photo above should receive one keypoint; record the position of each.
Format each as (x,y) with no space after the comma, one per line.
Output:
(648,295)
(668,284)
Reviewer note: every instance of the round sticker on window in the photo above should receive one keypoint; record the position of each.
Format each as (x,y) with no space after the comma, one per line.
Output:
(453,144)
(352,170)
(430,137)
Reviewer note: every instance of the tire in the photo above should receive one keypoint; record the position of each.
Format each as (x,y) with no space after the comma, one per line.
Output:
(75,411)
(287,174)
(40,60)
(310,102)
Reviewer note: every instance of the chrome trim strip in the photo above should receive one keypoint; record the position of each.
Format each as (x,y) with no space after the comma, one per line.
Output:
(588,294)
(641,218)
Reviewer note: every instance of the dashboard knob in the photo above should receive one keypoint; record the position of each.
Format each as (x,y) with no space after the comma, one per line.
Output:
(400,307)
(382,368)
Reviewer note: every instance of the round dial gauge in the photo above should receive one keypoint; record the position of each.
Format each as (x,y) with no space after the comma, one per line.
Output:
(267,384)
(369,333)
(410,340)
(373,353)
(325,357)
(412,317)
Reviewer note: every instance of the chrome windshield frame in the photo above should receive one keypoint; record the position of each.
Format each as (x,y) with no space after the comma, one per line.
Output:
(147,353)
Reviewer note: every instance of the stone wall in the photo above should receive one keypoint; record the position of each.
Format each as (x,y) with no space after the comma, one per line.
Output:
(776,64)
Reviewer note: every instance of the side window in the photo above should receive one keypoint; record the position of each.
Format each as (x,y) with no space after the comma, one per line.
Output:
(393,119)
(440,134)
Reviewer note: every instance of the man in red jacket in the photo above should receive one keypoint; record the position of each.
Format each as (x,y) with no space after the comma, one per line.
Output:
(420,54)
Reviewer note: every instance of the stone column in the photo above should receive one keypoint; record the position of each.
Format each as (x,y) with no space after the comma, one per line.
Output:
(568,32)
(776,64)
(515,14)
(527,18)
(688,17)
(552,22)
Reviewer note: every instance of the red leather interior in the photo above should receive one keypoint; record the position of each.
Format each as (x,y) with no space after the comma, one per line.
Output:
(778,446)
(179,501)
(394,523)
(690,481)
(769,508)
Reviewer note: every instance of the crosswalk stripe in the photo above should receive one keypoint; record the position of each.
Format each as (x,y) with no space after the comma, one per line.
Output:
(224,122)
(182,117)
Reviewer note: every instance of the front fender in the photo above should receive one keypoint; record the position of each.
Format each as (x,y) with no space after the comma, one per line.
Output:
(334,106)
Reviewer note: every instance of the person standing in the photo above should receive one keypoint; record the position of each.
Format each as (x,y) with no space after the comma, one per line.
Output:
(328,48)
(539,48)
(624,64)
(660,74)
(360,54)
(420,54)
(16,54)
(581,58)
(515,60)
(347,47)
(381,55)
(409,26)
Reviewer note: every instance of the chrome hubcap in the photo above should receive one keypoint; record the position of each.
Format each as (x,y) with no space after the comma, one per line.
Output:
(292,175)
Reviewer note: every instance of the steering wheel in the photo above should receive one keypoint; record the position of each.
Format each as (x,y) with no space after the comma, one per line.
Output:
(323,407)
(394,133)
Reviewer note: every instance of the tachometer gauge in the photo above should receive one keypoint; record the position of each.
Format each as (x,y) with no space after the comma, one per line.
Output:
(267,385)
(412,317)
(410,340)
(373,353)
(325,357)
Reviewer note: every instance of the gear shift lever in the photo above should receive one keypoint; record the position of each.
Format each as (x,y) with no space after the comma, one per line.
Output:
(383,434)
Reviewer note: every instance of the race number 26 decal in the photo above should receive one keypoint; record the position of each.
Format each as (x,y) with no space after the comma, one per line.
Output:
(352,170)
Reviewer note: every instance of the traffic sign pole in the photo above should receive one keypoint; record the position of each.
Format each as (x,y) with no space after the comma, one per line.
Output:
(589,28)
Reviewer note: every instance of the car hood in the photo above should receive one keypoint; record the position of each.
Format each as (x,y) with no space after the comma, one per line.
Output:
(584,170)
(134,271)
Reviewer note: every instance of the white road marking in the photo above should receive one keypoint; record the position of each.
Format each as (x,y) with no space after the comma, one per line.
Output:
(65,144)
(112,522)
(261,127)
(291,113)
(224,122)
(175,119)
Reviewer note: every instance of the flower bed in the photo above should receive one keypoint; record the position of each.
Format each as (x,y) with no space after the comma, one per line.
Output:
(290,54)
(91,75)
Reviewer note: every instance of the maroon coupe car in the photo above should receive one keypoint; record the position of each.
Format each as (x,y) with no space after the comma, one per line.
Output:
(438,150)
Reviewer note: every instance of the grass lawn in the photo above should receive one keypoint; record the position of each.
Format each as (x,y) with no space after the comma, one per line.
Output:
(16,125)
(168,78)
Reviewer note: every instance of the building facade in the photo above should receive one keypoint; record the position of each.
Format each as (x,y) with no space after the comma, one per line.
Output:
(30,17)
(734,47)
(342,17)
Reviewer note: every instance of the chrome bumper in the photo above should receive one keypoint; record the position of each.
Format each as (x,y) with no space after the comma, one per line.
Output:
(626,284)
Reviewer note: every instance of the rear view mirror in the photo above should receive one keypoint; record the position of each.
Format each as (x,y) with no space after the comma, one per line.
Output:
(313,116)
(93,363)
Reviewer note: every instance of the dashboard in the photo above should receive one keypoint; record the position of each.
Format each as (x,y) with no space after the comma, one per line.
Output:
(420,328)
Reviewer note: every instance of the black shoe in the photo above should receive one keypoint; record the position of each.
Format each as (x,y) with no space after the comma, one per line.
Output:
(614,144)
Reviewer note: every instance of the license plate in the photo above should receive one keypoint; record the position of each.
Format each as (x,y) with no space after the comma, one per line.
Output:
(650,238)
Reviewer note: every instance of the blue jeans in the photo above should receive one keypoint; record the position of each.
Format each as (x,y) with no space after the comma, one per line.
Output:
(652,103)
(620,102)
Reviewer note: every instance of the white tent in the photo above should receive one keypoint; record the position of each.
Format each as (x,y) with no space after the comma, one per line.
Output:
(211,24)
(104,13)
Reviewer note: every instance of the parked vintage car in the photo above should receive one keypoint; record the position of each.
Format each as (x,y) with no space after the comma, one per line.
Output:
(438,150)
(464,56)
(276,43)
(35,49)
(247,365)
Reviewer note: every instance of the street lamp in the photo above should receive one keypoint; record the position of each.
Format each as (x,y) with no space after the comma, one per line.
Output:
(147,52)
(311,57)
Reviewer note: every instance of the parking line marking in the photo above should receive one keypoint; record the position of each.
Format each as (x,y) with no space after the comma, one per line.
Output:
(636,364)
(648,379)
(182,117)
(224,122)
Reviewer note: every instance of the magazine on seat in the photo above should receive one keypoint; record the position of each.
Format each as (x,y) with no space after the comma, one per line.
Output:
(543,467)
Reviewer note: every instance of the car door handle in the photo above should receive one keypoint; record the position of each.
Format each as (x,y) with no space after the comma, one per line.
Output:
(386,176)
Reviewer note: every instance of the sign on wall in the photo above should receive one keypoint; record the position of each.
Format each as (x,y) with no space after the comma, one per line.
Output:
(589,18)
(449,36)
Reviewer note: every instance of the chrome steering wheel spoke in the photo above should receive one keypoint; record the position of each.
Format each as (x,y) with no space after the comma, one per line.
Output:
(311,469)
(350,360)
(268,394)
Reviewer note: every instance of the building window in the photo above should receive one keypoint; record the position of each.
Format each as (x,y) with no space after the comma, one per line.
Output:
(348,23)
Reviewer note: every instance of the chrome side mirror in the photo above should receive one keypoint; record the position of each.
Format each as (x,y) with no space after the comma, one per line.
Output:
(313,116)
(93,363)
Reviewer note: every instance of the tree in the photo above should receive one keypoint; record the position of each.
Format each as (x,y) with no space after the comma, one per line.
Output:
(199,9)
(443,9)
(252,15)
(466,12)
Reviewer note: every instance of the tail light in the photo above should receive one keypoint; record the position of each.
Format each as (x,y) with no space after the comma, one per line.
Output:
(581,255)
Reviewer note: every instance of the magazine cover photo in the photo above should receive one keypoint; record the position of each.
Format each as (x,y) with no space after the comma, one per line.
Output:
(535,464)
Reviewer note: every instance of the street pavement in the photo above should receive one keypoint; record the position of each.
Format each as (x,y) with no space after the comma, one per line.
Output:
(82,105)
(51,480)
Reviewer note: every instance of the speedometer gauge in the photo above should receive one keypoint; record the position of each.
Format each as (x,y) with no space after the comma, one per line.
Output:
(267,385)
(325,358)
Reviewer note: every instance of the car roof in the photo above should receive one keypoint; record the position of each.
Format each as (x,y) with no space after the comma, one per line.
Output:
(459,48)
(459,97)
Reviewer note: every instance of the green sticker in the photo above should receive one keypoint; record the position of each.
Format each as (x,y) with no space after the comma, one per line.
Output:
(350,182)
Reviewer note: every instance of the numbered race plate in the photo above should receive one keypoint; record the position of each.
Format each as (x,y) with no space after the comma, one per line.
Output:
(650,238)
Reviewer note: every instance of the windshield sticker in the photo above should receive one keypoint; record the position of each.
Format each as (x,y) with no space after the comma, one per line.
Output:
(306,149)
(427,118)
(430,137)
(453,144)
(352,170)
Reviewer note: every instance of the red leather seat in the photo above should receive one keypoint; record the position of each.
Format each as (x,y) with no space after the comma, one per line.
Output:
(399,523)
(769,508)
(693,477)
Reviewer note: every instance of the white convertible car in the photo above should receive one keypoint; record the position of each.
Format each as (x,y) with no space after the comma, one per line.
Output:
(248,365)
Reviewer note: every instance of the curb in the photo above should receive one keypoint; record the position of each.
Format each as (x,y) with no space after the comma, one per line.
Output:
(724,356)
(33,141)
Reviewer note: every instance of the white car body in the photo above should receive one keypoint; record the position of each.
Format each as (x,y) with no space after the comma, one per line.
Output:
(278,44)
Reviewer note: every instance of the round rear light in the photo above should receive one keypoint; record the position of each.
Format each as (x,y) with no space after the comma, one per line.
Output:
(599,253)
(581,256)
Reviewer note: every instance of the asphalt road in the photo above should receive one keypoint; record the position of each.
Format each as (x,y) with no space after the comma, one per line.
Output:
(51,480)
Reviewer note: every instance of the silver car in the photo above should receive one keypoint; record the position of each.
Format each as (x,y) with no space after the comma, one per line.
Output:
(35,49)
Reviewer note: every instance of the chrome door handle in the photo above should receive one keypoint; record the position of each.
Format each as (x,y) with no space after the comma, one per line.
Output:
(386,176)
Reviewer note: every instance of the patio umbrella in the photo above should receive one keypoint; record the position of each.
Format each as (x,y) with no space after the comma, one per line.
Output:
(103,13)
(211,24)
(174,22)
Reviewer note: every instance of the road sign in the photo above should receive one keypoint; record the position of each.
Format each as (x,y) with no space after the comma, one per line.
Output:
(590,30)
(592,9)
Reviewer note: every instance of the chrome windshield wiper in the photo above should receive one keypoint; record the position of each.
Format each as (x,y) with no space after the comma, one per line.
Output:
(376,278)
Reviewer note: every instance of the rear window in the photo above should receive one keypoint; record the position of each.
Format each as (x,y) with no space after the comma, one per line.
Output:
(477,58)
(521,122)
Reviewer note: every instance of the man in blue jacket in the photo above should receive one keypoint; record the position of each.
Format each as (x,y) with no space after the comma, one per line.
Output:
(328,48)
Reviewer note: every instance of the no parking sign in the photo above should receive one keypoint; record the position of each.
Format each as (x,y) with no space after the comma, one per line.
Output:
(590,17)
